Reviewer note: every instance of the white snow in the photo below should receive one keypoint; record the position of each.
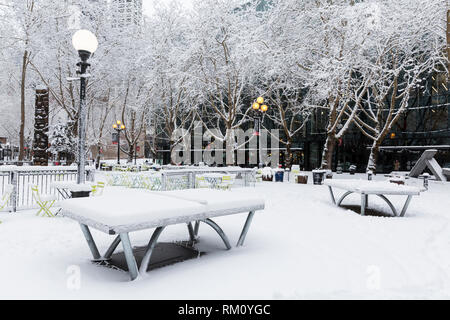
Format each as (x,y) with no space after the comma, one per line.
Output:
(373,187)
(130,209)
(300,246)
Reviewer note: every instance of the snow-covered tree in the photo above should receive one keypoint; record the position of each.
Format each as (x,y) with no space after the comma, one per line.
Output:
(62,141)
(225,47)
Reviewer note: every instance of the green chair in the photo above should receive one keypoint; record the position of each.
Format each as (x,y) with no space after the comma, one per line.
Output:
(97,189)
(227,182)
(258,175)
(45,203)
(201,183)
(6,196)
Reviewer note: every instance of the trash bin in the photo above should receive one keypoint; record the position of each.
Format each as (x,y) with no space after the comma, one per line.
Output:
(301,179)
(352,169)
(279,176)
(318,177)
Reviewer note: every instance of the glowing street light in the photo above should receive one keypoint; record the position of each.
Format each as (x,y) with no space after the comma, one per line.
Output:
(119,127)
(85,42)
(259,109)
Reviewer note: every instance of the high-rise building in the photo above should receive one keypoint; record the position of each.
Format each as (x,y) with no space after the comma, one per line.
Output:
(126,13)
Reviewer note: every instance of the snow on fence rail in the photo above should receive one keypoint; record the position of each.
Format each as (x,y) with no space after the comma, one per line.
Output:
(22,178)
(170,180)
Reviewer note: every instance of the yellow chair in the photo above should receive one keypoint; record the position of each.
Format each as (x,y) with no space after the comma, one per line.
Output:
(45,203)
(201,183)
(6,196)
(97,189)
(227,182)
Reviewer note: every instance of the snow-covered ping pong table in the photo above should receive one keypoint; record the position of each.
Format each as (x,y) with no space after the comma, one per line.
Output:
(377,188)
(121,211)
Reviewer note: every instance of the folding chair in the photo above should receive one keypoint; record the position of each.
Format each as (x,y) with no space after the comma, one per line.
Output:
(258,175)
(45,203)
(6,196)
(97,189)
(227,182)
(201,183)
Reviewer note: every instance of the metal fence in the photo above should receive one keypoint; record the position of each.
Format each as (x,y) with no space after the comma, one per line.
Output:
(174,179)
(22,178)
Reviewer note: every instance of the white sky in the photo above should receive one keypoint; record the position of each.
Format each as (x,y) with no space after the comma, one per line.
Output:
(147,5)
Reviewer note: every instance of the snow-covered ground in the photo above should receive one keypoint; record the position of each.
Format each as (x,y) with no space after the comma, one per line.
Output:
(301,246)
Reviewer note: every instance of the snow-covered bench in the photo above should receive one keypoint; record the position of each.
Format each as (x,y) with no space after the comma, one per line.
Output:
(378,188)
(121,211)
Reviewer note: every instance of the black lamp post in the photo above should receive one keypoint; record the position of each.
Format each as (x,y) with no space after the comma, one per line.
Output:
(86,44)
(259,108)
(119,127)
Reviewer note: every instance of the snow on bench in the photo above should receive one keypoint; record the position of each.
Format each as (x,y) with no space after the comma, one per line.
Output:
(121,211)
(378,188)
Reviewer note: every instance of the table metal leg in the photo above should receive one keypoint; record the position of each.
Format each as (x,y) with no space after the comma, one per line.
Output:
(196,228)
(191,233)
(112,248)
(129,256)
(219,231)
(245,229)
(345,195)
(333,199)
(148,253)
(90,241)
(389,204)
(405,207)
(363,204)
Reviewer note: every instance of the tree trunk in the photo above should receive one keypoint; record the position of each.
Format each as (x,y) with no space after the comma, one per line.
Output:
(289,158)
(22,107)
(130,153)
(97,160)
(373,158)
(327,155)
(230,142)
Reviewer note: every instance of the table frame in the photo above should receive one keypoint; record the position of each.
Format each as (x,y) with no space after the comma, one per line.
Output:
(365,201)
(124,238)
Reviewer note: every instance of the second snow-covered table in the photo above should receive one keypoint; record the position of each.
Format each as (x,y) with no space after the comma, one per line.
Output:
(122,211)
(378,188)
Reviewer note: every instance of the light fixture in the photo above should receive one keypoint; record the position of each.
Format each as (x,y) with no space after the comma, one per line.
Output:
(264,108)
(260,100)
(84,40)
(256,106)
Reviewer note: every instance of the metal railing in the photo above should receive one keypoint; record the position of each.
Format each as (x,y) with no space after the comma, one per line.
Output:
(22,178)
(174,179)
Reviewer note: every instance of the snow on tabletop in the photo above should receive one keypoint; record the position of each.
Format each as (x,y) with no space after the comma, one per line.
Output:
(376,187)
(72,186)
(125,207)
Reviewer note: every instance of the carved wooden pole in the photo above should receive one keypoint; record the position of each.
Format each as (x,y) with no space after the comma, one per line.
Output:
(40,142)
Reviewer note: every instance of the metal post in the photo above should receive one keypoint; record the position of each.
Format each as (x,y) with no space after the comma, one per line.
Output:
(81,176)
(245,229)
(260,163)
(90,241)
(14,197)
(129,256)
(363,204)
(118,147)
